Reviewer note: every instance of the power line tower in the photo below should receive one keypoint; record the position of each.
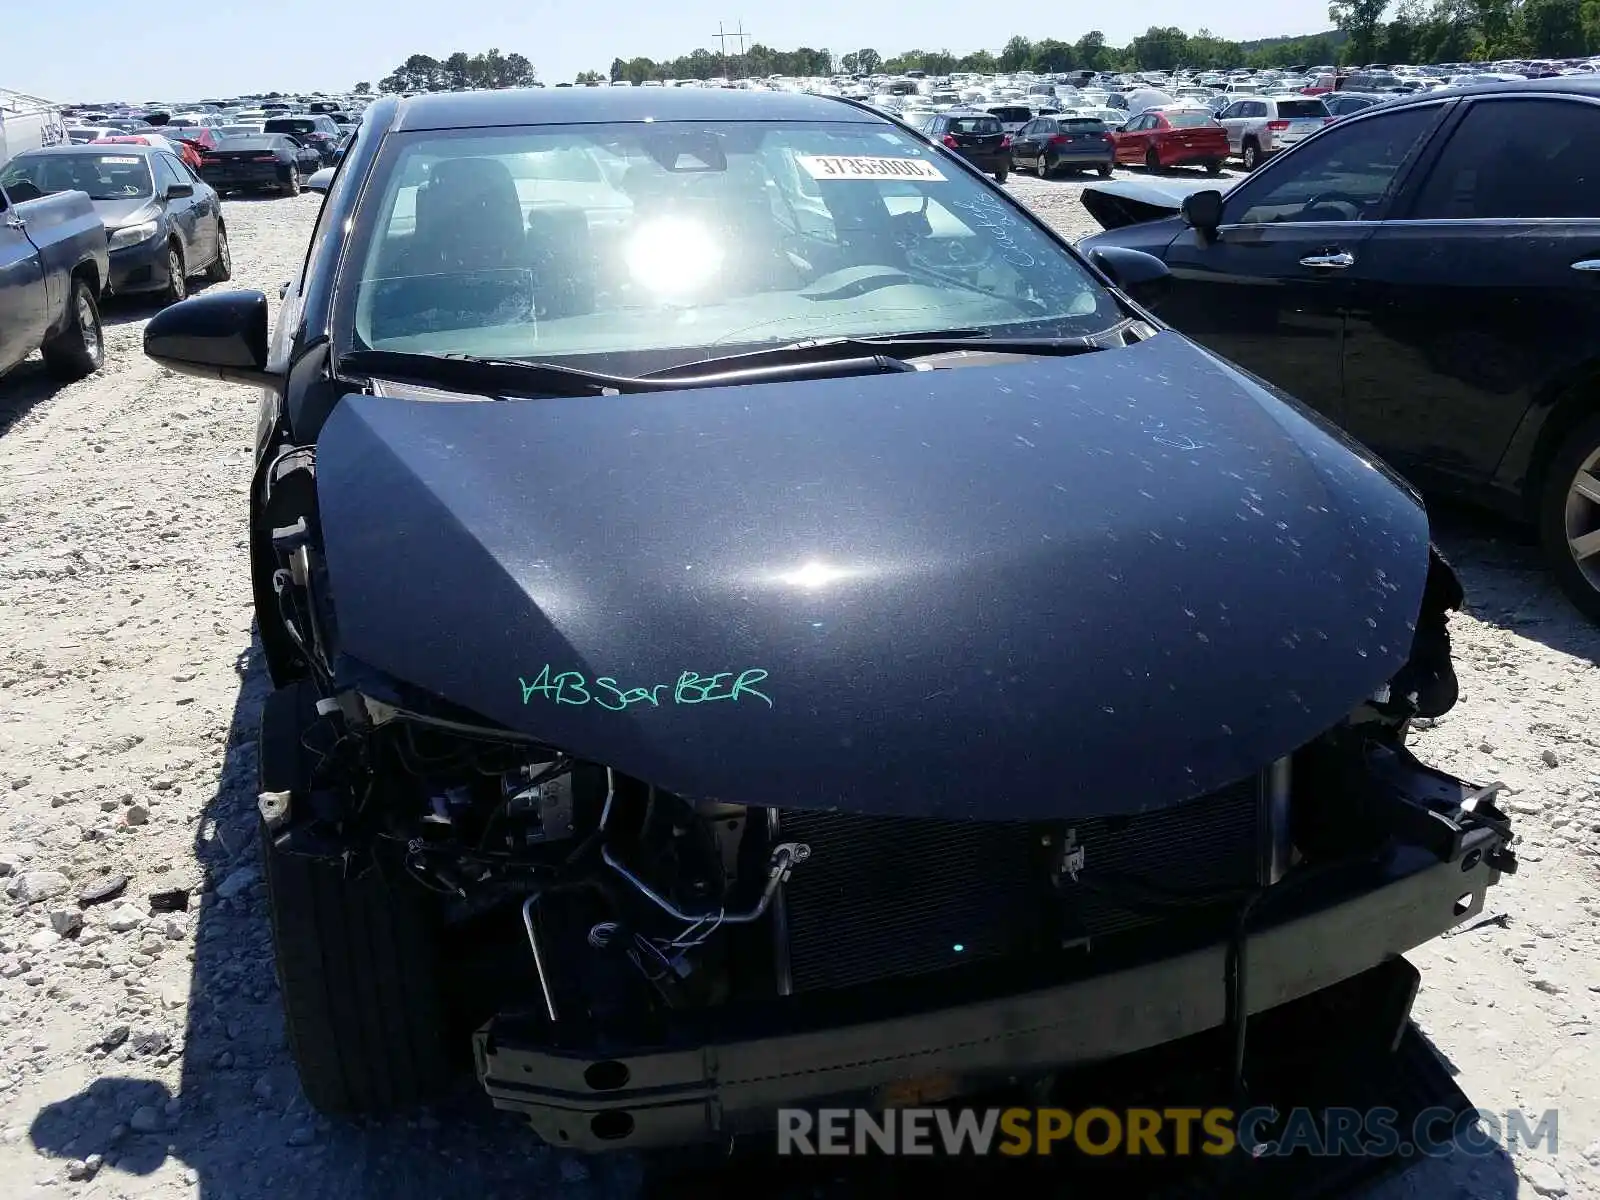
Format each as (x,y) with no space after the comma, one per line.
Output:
(739,35)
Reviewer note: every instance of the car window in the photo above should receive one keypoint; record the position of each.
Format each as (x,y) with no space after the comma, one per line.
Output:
(733,234)
(1083,125)
(107,176)
(165,175)
(1236,109)
(1493,168)
(1188,120)
(171,171)
(1343,174)
(1301,108)
(975,125)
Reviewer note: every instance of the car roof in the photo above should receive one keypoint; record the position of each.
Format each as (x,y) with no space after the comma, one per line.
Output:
(1570,85)
(569,106)
(94,148)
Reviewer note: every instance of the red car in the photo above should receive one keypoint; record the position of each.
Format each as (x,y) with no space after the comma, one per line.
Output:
(183,148)
(1173,137)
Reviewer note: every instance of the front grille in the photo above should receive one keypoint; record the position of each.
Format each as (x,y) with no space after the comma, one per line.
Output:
(1207,845)
(888,897)
(883,897)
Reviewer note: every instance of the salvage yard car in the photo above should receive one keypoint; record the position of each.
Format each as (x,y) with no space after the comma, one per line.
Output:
(1426,275)
(52,266)
(769,638)
(164,225)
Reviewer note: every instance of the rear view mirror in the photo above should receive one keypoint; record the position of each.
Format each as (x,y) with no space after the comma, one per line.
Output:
(320,181)
(1143,276)
(177,191)
(1203,211)
(221,336)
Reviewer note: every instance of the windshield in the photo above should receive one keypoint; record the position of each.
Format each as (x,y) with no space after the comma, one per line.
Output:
(642,246)
(291,125)
(104,176)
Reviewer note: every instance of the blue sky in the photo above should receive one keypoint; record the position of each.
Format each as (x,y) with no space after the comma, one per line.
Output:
(227,46)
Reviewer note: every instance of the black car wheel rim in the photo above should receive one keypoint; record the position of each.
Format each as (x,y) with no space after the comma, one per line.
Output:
(88,325)
(1581,521)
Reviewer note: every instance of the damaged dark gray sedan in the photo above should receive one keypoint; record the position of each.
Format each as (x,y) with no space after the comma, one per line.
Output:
(757,620)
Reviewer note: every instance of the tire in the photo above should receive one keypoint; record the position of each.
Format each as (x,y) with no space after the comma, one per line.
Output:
(355,953)
(1041,166)
(1105,171)
(1565,513)
(80,348)
(1152,160)
(1250,155)
(294,182)
(221,268)
(1002,174)
(1214,166)
(177,276)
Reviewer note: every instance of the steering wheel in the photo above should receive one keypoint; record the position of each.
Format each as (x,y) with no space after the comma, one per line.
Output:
(1321,198)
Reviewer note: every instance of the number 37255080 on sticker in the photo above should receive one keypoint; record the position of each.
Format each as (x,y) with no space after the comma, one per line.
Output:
(830,166)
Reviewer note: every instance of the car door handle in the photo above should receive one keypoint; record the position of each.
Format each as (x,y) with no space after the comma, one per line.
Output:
(1587,264)
(1338,261)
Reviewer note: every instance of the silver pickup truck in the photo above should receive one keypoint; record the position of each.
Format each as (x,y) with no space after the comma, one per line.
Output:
(53,264)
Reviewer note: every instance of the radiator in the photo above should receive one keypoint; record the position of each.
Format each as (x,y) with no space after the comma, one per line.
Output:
(887,897)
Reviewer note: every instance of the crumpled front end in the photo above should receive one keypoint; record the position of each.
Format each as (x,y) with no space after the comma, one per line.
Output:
(729,723)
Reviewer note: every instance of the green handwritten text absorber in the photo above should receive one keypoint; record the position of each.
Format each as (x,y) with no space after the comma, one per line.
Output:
(571,687)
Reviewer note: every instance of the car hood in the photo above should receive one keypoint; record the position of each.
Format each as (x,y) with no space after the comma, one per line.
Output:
(114,214)
(1047,588)
(1135,201)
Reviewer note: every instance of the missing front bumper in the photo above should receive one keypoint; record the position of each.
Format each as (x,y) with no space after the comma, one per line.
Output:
(676,1095)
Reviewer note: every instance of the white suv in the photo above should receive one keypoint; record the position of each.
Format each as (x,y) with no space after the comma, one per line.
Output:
(1259,126)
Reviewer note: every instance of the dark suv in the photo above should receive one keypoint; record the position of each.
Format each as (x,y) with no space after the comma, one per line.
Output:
(976,136)
(318,132)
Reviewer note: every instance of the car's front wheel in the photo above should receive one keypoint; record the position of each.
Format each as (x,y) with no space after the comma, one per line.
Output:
(1250,155)
(1569,516)
(355,952)
(293,187)
(1041,166)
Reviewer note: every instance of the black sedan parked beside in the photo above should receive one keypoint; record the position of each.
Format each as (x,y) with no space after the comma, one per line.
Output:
(1426,273)
(319,133)
(163,224)
(1051,144)
(259,162)
(647,587)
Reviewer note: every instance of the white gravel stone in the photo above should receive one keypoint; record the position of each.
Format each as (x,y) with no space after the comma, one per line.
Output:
(33,886)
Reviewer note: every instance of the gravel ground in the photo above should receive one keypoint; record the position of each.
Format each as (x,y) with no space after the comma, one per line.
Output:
(144,1056)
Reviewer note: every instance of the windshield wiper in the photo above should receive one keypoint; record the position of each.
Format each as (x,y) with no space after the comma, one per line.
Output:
(511,376)
(909,345)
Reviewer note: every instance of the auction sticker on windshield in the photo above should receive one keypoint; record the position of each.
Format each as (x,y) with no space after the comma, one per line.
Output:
(828,166)
(130,161)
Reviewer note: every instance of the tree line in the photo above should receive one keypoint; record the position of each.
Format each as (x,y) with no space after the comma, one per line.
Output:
(459,72)
(1418,31)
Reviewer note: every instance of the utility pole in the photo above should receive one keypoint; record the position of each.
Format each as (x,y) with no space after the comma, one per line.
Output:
(739,35)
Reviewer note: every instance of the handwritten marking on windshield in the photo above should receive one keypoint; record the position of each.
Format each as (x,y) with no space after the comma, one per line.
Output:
(571,687)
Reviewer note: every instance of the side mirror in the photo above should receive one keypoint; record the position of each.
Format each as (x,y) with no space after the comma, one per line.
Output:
(1143,276)
(1203,211)
(178,191)
(320,181)
(221,336)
